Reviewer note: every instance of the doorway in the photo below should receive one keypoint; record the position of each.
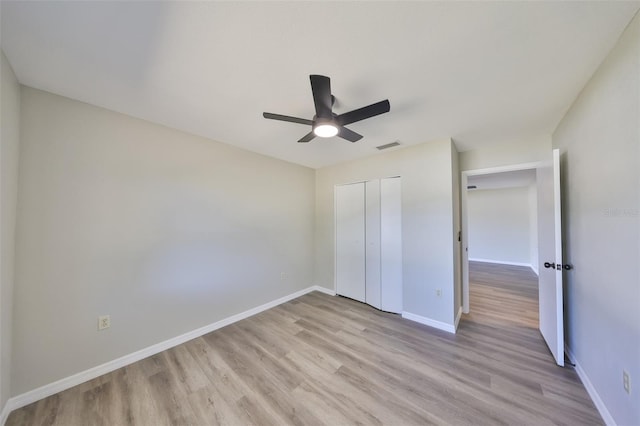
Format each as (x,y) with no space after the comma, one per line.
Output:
(550,294)
(498,198)
(502,248)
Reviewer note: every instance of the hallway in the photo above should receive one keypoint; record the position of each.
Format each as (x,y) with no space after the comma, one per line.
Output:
(503,295)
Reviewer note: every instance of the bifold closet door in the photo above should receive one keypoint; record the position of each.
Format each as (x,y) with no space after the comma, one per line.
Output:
(391,245)
(350,240)
(372,241)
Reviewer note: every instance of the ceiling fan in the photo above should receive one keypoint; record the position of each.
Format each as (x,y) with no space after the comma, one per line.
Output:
(325,123)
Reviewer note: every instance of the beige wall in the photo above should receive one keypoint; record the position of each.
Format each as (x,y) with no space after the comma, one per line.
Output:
(599,141)
(164,231)
(9,148)
(499,225)
(427,225)
(507,154)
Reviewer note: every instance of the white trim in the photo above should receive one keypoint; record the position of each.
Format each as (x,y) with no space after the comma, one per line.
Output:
(501,262)
(464,226)
(324,290)
(430,322)
(464,217)
(335,239)
(83,376)
(534,268)
(458,316)
(501,169)
(505,262)
(591,390)
(4,414)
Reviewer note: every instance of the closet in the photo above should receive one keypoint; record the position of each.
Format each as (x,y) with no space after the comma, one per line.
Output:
(369,242)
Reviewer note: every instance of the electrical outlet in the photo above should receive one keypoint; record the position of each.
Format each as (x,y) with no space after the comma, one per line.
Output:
(626,381)
(438,292)
(104,322)
(283,276)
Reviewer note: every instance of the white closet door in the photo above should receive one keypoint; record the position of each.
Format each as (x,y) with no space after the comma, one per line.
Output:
(350,241)
(372,238)
(391,244)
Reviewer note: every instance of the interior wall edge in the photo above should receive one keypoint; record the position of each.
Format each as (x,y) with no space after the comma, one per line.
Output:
(10,101)
(458,316)
(451,328)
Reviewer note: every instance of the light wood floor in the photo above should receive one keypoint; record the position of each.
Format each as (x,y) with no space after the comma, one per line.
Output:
(329,360)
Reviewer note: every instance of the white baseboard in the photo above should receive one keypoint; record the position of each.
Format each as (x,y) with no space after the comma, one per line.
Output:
(4,413)
(501,262)
(505,262)
(591,390)
(430,322)
(458,316)
(324,290)
(83,376)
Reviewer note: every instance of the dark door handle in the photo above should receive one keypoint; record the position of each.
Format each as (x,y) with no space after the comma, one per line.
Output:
(558,267)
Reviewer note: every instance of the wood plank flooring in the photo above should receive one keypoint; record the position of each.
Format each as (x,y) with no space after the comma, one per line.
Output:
(323,360)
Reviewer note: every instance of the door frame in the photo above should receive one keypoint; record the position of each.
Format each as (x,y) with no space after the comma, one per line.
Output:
(464,221)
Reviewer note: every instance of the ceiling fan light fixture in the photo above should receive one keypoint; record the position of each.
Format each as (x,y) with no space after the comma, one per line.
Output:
(326,123)
(325,130)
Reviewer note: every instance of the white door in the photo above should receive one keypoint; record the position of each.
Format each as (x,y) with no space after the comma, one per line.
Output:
(391,245)
(350,241)
(550,257)
(372,239)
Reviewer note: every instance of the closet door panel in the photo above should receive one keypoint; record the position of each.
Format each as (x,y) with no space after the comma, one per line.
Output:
(391,244)
(372,238)
(350,240)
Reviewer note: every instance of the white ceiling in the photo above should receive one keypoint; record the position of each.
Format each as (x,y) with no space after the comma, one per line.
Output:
(512,179)
(478,72)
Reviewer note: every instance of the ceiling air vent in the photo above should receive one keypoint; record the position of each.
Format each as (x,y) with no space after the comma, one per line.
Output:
(389,145)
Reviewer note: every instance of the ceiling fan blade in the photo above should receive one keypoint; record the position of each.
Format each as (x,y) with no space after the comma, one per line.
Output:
(321,89)
(287,118)
(349,135)
(308,137)
(364,112)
